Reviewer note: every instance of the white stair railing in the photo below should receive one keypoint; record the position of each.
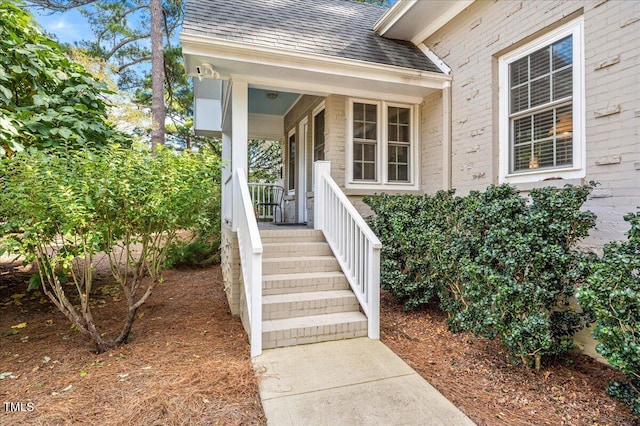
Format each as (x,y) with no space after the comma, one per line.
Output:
(227,205)
(354,244)
(250,247)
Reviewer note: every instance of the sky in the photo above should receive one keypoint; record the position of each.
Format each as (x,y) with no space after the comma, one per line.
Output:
(69,26)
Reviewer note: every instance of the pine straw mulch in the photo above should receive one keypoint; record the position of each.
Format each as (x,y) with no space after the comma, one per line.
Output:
(474,373)
(187,361)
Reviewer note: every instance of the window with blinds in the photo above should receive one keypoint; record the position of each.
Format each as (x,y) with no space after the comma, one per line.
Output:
(540,107)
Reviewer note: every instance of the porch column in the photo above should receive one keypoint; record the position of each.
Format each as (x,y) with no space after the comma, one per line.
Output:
(227,179)
(239,137)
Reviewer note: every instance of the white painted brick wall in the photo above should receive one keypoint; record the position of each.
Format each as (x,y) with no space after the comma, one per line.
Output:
(471,44)
(431,143)
(303,108)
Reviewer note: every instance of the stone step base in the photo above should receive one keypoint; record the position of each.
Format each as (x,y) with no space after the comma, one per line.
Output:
(303,282)
(313,329)
(313,248)
(301,264)
(295,305)
(291,236)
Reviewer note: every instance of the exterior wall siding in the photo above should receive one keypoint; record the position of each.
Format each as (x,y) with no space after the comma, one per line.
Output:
(472,42)
(431,148)
(335,142)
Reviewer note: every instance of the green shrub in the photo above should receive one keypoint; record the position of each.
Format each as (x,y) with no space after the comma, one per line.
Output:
(417,234)
(128,203)
(522,269)
(197,252)
(503,266)
(612,293)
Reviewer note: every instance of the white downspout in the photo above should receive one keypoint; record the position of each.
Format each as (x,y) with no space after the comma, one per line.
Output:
(446,136)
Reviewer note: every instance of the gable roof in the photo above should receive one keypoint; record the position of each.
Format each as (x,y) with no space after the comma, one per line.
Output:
(334,28)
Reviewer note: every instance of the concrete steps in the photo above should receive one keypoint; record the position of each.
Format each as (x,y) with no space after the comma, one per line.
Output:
(306,297)
(299,264)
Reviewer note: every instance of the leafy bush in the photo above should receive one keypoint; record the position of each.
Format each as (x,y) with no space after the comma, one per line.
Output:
(503,266)
(522,268)
(46,100)
(612,293)
(197,252)
(419,234)
(127,203)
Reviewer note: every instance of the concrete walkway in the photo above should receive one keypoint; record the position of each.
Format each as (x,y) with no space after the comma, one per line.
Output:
(348,382)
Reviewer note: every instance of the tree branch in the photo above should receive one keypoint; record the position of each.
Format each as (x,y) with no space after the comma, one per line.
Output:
(132,63)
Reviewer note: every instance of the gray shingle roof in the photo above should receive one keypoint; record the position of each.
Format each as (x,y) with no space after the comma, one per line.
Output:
(339,28)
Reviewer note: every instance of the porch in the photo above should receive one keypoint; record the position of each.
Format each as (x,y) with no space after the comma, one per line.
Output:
(296,284)
(348,119)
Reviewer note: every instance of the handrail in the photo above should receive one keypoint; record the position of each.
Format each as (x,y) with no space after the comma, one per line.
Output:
(250,247)
(355,246)
(227,209)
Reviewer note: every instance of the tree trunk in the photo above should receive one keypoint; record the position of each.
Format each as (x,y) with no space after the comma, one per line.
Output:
(157,75)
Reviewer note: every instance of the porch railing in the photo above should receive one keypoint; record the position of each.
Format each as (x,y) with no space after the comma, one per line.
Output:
(227,196)
(262,194)
(250,247)
(354,244)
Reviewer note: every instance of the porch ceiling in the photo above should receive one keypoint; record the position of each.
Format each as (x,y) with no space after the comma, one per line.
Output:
(271,102)
(287,71)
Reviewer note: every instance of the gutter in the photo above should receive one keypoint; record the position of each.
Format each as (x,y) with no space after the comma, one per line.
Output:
(393,15)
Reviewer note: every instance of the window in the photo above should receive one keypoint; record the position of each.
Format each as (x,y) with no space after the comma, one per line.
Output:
(399,144)
(541,118)
(318,136)
(291,161)
(382,147)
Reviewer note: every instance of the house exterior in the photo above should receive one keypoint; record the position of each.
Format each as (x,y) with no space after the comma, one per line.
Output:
(423,96)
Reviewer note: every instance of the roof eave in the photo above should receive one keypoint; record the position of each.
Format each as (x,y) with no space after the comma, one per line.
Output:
(391,16)
(391,23)
(233,50)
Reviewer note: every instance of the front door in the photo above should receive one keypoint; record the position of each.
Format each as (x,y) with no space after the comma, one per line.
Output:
(301,191)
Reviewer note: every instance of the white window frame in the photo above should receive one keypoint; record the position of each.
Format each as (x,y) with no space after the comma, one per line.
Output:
(382,182)
(574,28)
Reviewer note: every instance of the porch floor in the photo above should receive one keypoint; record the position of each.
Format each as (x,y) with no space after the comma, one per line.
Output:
(270,226)
(354,381)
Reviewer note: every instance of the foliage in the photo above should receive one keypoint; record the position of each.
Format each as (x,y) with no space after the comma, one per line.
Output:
(417,232)
(199,252)
(46,100)
(612,293)
(127,204)
(122,30)
(503,267)
(127,115)
(265,161)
